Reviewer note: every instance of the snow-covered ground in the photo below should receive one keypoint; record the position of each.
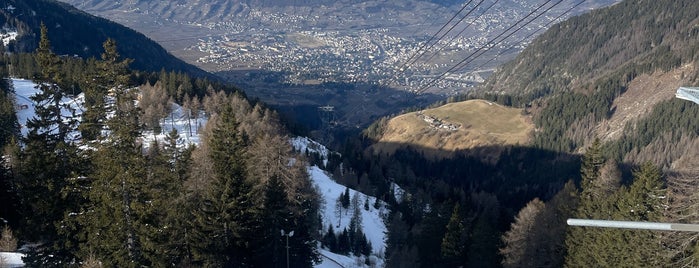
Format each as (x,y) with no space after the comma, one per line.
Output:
(7,35)
(11,259)
(373,224)
(188,130)
(302,144)
(24,89)
(177,119)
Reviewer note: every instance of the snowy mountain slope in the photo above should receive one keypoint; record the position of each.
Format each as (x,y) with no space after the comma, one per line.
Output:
(372,223)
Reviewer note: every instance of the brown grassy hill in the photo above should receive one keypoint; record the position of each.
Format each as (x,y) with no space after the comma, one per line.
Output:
(441,131)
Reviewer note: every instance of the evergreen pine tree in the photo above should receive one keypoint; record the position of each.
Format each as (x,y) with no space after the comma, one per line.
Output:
(343,242)
(592,163)
(46,158)
(118,205)
(330,239)
(162,227)
(112,74)
(122,217)
(222,224)
(275,217)
(453,243)
(644,201)
(345,198)
(304,250)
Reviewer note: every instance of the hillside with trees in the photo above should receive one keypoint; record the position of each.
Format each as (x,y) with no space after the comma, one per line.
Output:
(74,32)
(610,142)
(612,70)
(82,189)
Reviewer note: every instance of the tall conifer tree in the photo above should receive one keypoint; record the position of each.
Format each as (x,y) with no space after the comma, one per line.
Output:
(120,218)
(47,158)
(275,217)
(112,74)
(222,223)
(453,243)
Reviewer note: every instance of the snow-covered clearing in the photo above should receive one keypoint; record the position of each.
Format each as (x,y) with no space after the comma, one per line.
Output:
(303,144)
(177,118)
(187,129)
(25,89)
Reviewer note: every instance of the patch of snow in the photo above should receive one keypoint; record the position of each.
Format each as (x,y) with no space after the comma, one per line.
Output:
(188,130)
(7,35)
(334,260)
(302,144)
(373,225)
(11,259)
(397,192)
(177,119)
(25,89)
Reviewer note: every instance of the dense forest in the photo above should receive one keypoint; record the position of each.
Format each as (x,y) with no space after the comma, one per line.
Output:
(85,191)
(74,32)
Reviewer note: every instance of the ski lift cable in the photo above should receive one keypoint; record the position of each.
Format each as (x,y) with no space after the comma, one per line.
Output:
(508,36)
(444,34)
(432,38)
(461,32)
(491,43)
(532,34)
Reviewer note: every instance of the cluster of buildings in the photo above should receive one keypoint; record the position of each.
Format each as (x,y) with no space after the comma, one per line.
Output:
(306,49)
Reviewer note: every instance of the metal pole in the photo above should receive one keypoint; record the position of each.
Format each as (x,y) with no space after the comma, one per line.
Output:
(659,226)
(287,245)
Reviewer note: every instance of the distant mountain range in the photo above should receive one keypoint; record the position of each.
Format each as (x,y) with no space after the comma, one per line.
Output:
(203,10)
(74,32)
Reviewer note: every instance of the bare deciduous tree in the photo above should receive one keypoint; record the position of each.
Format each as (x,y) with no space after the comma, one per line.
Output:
(8,242)
(519,240)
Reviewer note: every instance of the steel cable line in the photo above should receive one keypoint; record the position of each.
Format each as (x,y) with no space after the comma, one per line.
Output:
(402,68)
(482,50)
(491,43)
(445,33)
(533,33)
(503,39)
(462,31)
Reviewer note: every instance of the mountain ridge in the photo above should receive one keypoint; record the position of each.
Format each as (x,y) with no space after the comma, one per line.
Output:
(74,32)
(628,38)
